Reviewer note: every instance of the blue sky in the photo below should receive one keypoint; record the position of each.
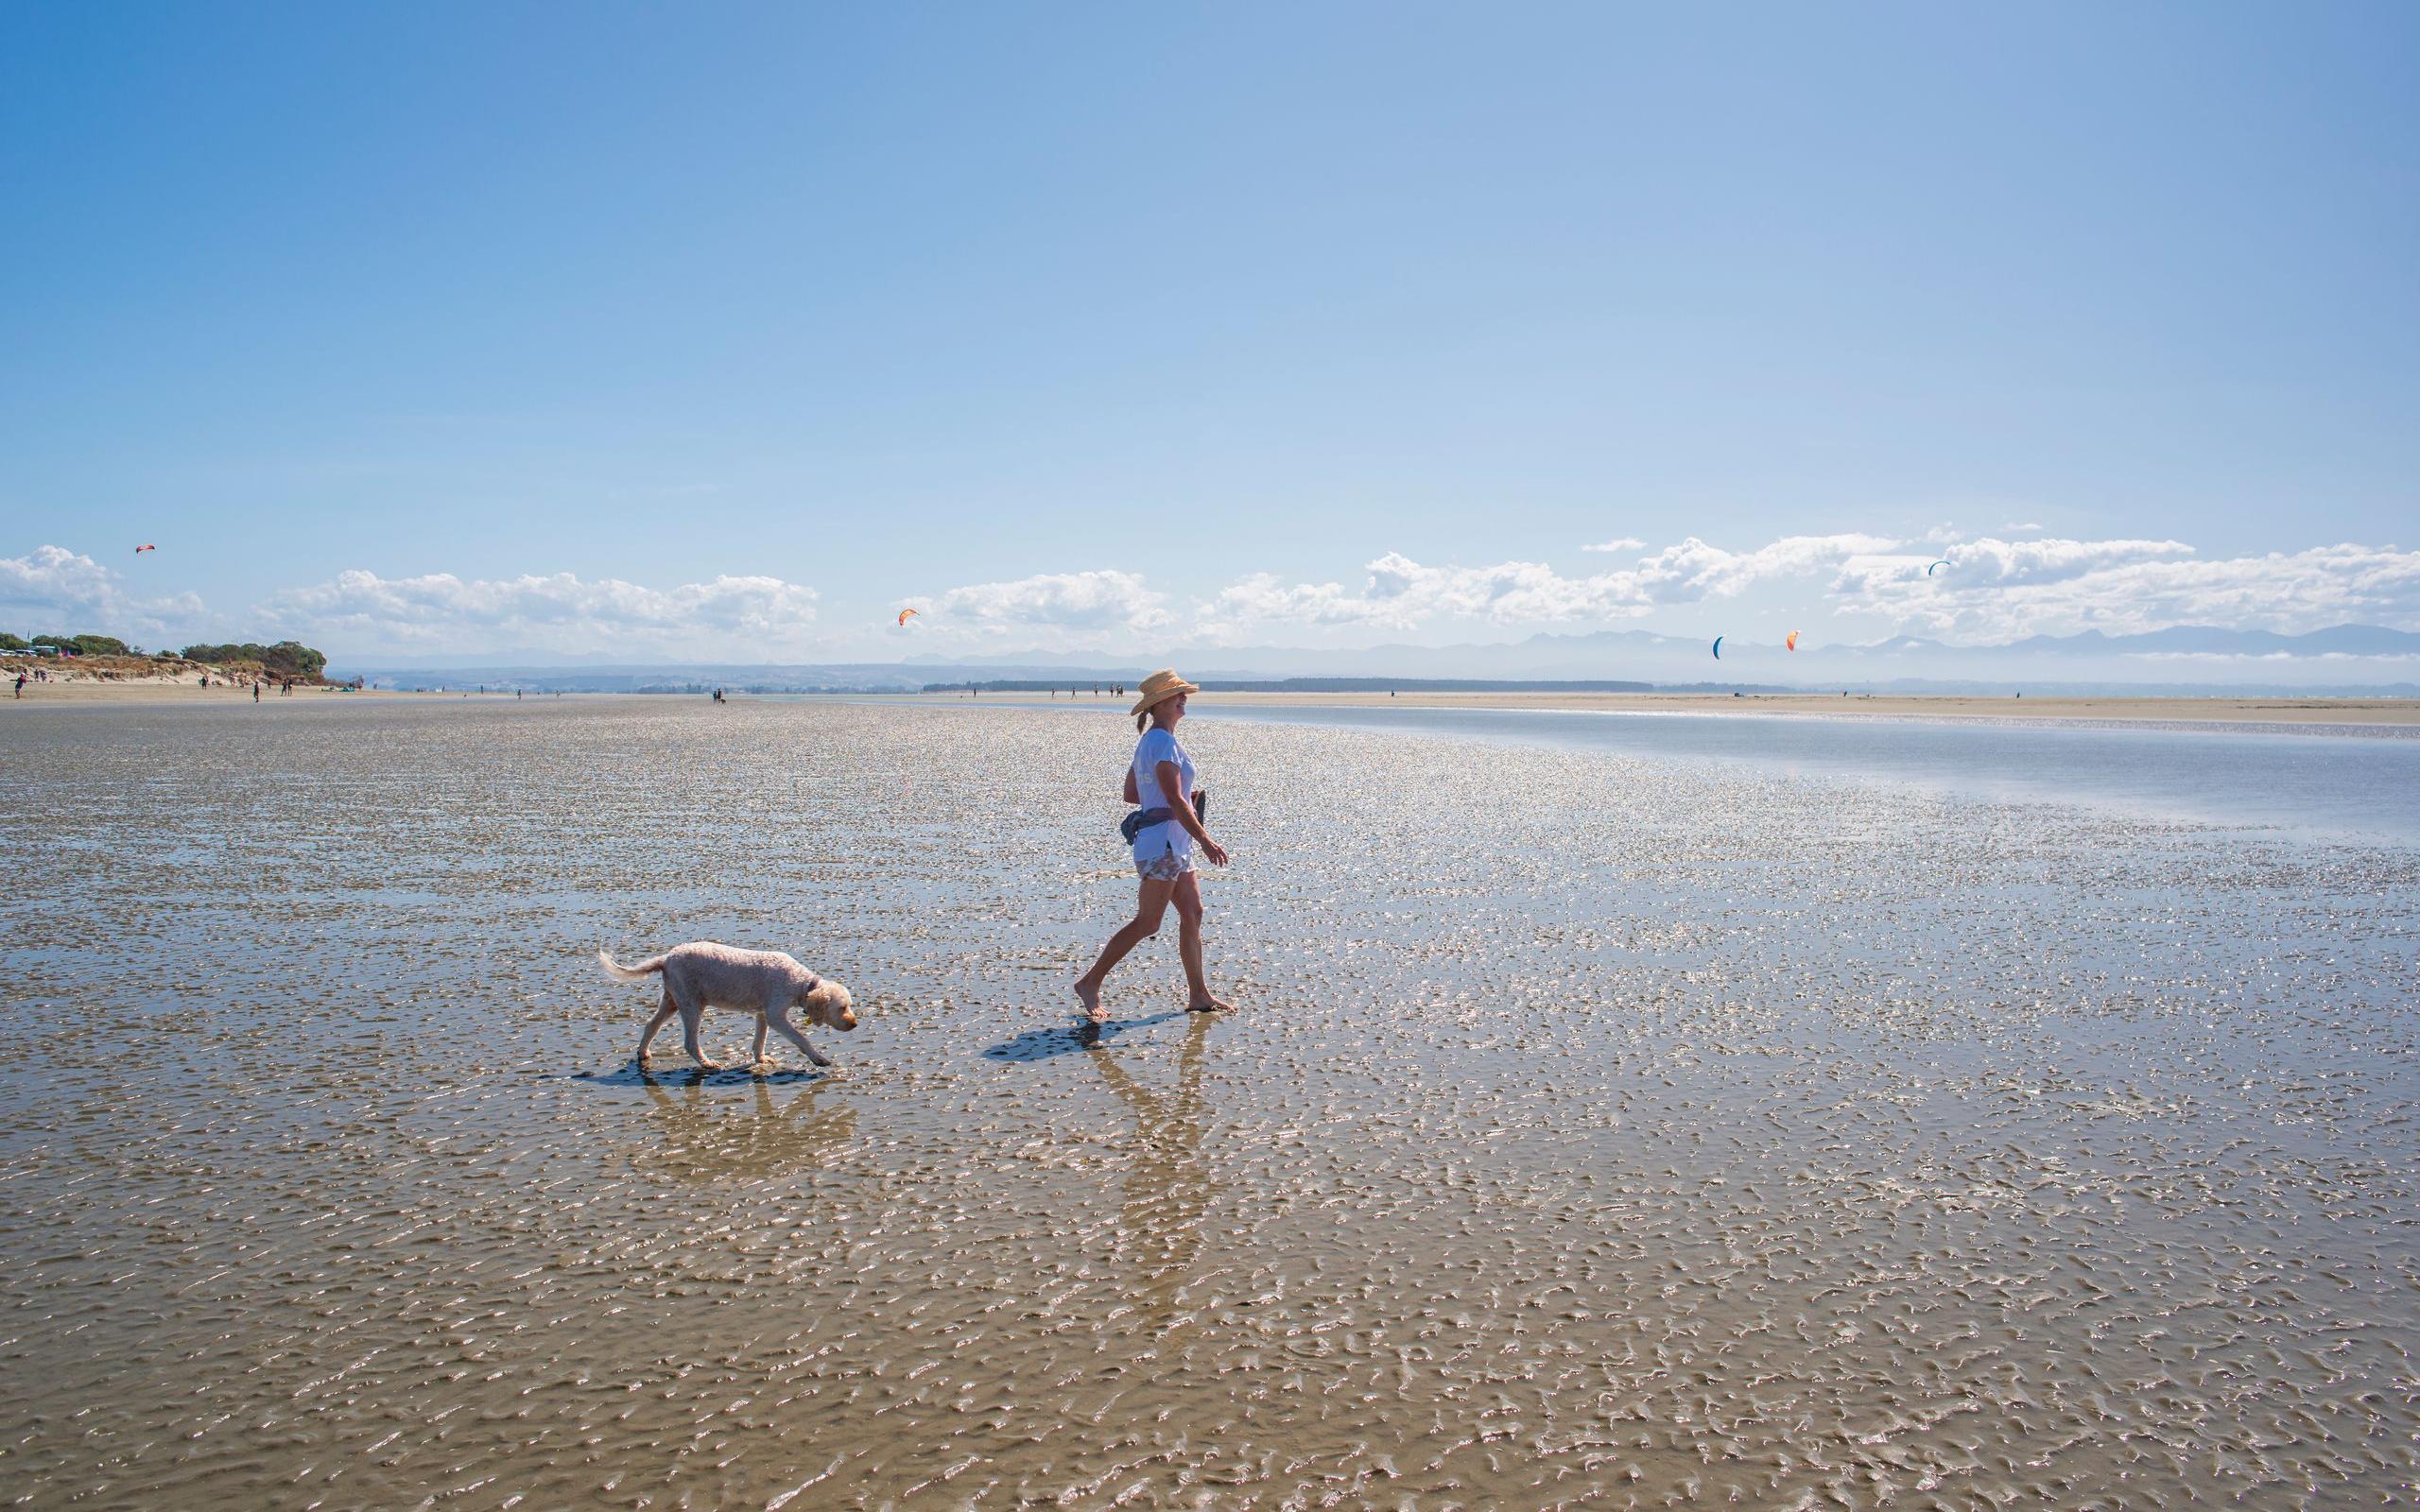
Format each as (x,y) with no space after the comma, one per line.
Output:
(728,329)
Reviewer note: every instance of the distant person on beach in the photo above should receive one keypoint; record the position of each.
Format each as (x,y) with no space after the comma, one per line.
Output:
(256,693)
(21,684)
(1164,831)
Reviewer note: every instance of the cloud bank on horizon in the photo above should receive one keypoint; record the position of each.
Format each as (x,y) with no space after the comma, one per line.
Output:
(1993,591)
(51,583)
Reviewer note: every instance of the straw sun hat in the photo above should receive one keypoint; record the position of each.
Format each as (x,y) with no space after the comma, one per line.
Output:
(1160,687)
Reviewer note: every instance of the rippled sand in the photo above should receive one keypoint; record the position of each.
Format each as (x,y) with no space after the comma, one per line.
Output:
(1596,1132)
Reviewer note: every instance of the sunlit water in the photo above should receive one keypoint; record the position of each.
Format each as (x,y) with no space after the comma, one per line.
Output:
(2345,781)
(1599,1129)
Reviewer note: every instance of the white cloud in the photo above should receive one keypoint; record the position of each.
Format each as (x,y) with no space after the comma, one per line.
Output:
(2356,659)
(1693,570)
(1617,544)
(53,591)
(2029,526)
(1400,594)
(1996,591)
(1265,597)
(1055,606)
(1992,564)
(745,617)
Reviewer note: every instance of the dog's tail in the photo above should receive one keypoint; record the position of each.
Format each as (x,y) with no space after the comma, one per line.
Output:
(630,974)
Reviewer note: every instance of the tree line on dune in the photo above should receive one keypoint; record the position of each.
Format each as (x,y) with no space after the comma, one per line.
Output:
(286,659)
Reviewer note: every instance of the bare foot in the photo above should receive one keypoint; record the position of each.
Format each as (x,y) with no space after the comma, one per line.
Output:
(1090,998)
(1209,1004)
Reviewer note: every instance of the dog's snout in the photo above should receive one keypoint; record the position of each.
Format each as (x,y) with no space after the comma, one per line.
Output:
(848,1021)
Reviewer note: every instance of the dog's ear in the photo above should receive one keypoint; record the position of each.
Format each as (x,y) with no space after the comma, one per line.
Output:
(829,1003)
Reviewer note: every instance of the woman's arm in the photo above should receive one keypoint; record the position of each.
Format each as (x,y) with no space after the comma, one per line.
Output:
(1131,796)
(1171,787)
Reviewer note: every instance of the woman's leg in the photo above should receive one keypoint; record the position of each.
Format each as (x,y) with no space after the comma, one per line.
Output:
(1188,945)
(1150,903)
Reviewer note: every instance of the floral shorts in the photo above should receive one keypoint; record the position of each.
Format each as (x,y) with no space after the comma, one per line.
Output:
(1166,867)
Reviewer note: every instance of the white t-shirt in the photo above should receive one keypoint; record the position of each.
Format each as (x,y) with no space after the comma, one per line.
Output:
(1158,746)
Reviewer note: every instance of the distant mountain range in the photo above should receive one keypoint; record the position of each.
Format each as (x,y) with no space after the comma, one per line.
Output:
(2346,659)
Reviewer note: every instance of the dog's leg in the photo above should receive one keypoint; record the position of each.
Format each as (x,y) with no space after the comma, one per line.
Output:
(780,1015)
(690,1015)
(663,1016)
(756,1055)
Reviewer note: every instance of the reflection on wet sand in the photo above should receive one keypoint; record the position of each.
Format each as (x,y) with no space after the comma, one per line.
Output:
(696,1134)
(1168,1185)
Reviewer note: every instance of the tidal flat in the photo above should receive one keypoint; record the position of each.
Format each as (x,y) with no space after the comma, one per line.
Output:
(1596,1129)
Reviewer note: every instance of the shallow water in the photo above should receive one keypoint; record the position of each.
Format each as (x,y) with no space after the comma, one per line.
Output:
(2322,781)
(1740,1138)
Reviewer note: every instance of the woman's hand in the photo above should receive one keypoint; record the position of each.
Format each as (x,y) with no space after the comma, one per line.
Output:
(1172,783)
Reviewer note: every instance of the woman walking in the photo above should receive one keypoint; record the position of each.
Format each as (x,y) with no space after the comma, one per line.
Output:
(1161,780)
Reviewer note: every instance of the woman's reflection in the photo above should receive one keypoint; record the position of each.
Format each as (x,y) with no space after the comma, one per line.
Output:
(1168,1185)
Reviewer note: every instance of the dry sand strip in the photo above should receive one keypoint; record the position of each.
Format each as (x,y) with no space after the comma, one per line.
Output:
(2260,711)
(171,691)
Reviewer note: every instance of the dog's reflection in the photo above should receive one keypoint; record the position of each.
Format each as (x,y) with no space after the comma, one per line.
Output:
(1168,1185)
(762,1133)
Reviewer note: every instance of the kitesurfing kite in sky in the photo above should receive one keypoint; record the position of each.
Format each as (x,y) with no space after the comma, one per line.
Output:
(1943,562)
(1792,641)
(904,613)
(146,547)
(1718,649)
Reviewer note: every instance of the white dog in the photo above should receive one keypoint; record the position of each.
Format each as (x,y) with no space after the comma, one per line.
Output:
(765,983)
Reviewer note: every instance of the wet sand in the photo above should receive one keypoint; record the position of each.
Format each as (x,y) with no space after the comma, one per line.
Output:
(1715,1140)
